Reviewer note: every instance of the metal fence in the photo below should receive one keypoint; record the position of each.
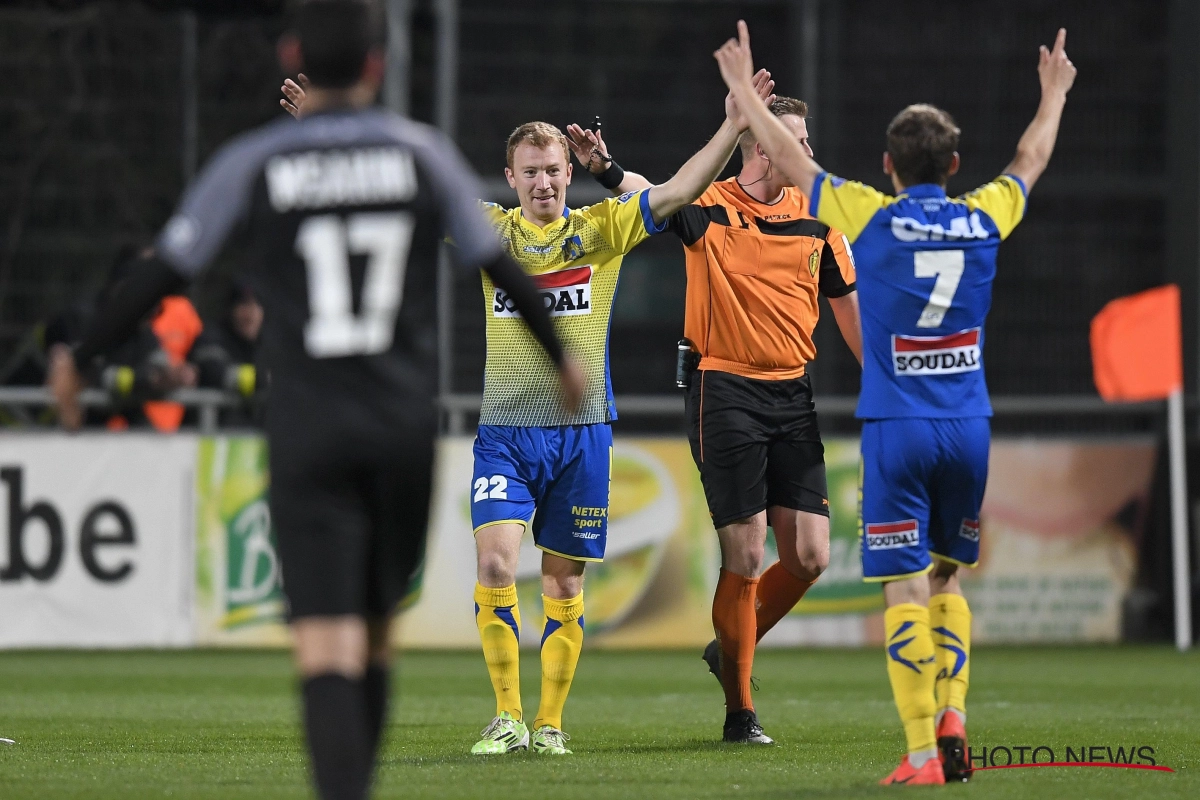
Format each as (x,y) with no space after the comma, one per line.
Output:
(109,106)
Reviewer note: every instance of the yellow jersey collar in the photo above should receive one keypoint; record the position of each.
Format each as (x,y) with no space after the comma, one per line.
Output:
(549,229)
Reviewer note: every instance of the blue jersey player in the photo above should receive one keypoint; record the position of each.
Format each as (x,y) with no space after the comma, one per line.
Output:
(925,268)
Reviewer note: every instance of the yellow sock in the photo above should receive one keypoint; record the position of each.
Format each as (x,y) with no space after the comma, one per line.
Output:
(912,670)
(499,621)
(950,620)
(562,639)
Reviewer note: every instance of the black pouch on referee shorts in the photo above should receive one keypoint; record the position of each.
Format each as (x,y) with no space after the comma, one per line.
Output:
(686,361)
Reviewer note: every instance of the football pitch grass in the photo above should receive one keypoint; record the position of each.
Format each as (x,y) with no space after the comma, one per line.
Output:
(223,724)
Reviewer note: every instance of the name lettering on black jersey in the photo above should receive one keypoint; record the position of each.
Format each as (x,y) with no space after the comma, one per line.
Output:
(331,178)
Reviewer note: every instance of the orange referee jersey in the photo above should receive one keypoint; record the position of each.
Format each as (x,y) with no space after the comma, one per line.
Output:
(753,273)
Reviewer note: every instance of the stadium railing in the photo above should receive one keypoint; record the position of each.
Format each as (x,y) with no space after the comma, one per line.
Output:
(459,408)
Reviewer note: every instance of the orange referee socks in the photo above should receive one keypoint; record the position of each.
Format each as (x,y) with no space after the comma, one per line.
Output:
(735,624)
(778,593)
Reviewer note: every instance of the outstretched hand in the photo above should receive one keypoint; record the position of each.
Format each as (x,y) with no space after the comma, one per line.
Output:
(1055,70)
(764,87)
(735,60)
(294,92)
(589,148)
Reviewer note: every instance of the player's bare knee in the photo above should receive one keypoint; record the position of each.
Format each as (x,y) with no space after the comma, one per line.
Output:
(495,572)
(379,645)
(330,644)
(562,587)
(496,567)
(907,590)
(743,545)
(811,562)
(562,578)
(746,557)
(944,578)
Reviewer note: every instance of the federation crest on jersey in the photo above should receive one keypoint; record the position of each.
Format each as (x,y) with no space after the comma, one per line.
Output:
(936,355)
(565,293)
(572,249)
(814,262)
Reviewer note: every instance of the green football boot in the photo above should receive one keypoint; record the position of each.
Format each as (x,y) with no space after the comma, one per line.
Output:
(549,741)
(504,735)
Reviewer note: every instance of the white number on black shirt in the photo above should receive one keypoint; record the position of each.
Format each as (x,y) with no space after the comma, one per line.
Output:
(947,266)
(325,243)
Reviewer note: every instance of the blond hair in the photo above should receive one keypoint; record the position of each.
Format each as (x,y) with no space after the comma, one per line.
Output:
(538,134)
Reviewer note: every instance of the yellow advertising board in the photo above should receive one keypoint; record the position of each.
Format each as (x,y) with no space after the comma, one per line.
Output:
(1057,557)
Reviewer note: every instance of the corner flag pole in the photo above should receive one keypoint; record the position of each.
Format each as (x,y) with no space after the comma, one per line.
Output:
(1179,527)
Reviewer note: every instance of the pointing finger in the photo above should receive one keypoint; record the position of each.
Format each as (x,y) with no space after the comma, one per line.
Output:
(743,34)
(1060,43)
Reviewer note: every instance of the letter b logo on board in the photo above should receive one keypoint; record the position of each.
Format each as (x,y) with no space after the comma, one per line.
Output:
(105,524)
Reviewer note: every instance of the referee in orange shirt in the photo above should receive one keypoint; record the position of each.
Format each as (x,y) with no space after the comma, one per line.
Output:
(756,262)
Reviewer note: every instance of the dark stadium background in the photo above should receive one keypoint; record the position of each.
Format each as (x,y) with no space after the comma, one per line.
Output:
(106,108)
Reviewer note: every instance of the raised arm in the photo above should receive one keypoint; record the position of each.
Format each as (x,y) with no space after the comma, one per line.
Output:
(592,153)
(777,142)
(696,174)
(1057,74)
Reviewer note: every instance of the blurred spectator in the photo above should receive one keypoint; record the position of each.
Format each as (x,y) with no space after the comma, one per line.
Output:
(176,327)
(151,363)
(226,354)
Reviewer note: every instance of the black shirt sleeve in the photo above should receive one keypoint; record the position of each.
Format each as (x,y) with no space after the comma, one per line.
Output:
(831,282)
(689,223)
(149,281)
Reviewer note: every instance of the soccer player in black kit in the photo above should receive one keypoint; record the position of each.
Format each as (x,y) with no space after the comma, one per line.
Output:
(342,213)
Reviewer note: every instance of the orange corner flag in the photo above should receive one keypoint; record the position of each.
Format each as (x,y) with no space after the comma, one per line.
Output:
(1137,346)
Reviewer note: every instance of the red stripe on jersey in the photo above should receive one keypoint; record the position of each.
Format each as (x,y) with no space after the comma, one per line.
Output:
(891,527)
(564,277)
(909,344)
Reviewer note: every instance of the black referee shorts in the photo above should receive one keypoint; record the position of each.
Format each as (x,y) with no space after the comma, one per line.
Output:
(757,444)
(350,525)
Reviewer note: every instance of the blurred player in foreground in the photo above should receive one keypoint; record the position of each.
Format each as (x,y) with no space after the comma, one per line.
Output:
(756,261)
(926,263)
(343,213)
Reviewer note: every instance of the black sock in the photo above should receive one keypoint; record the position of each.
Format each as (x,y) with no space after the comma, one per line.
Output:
(336,724)
(375,683)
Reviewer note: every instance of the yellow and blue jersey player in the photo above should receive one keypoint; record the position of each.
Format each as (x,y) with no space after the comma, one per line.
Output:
(925,266)
(530,454)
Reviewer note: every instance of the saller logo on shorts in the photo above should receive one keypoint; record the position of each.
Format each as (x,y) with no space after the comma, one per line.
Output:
(969,530)
(892,535)
(936,355)
(565,293)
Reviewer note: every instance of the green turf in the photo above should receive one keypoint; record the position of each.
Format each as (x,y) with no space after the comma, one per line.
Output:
(223,725)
